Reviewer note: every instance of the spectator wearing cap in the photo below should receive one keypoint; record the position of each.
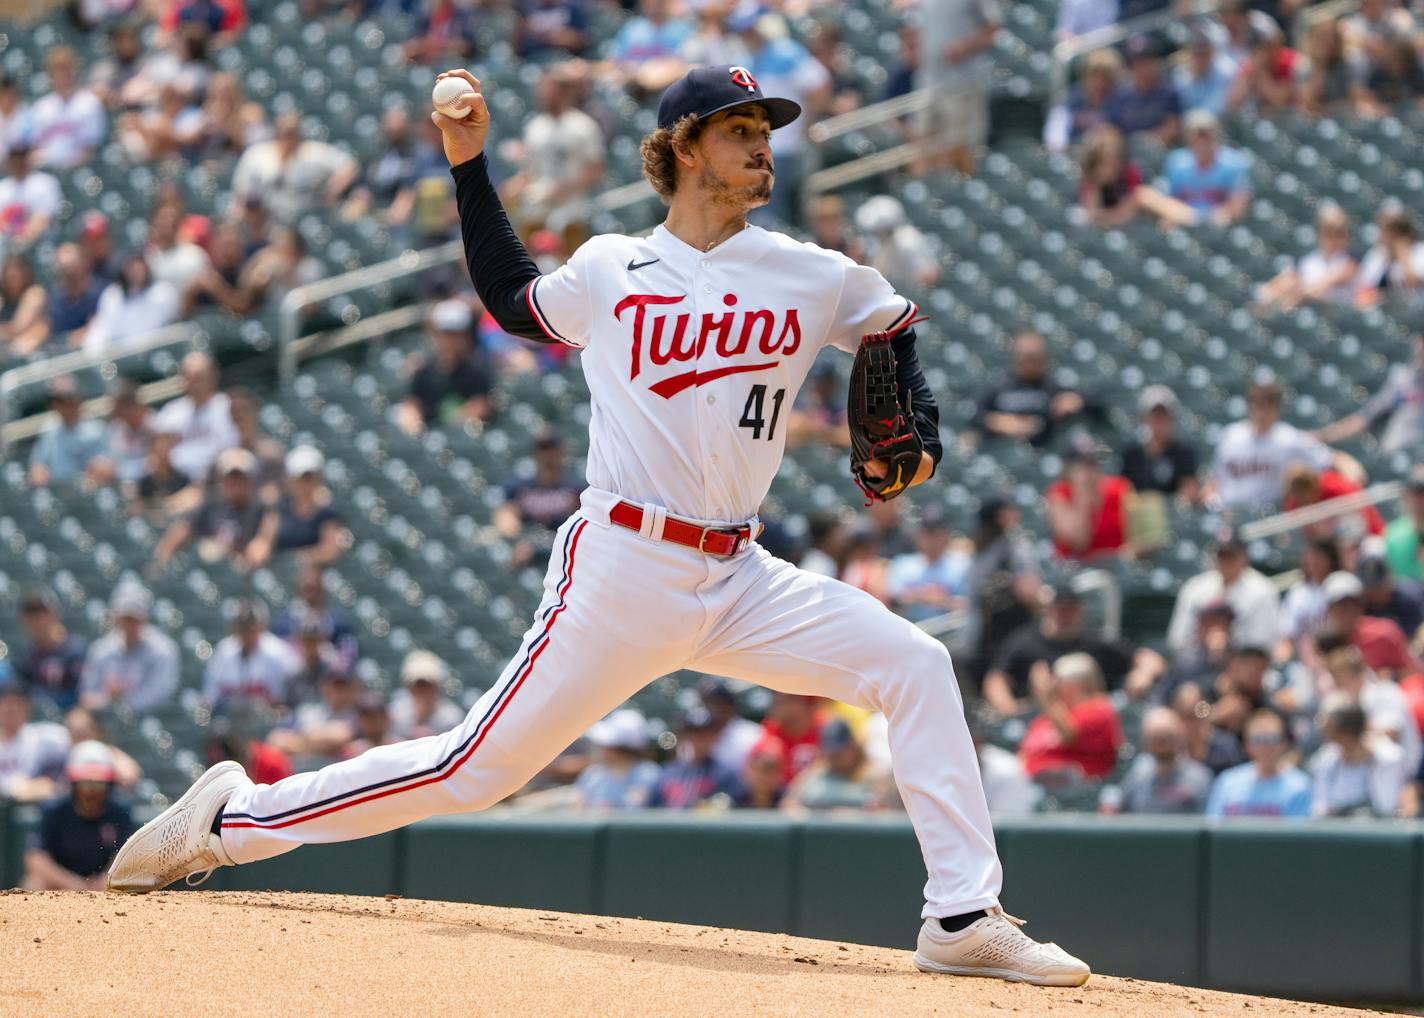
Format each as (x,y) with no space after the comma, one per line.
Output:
(201,418)
(32,753)
(62,454)
(293,174)
(933,579)
(1394,266)
(825,534)
(250,664)
(109,76)
(319,732)
(1212,179)
(1004,582)
(1303,607)
(134,664)
(694,776)
(133,305)
(1387,596)
(1266,80)
(1203,80)
(316,659)
(1087,103)
(1304,485)
(1205,656)
(311,607)
(793,724)
(29,198)
(1402,538)
(1206,743)
(73,297)
(1381,643)
(83,726)
(124,456)
(1325,274)
(1389,713)
(561,158)
(373,725)
(842,777)
(78,836)
(1254,600)
(304,520)
(22,306)
(1163,778)
(551,27)
(451,386)
(51,660)
(1058,632)
(621,776)
(1396,408)
(97,242)
(1157,460)
(1353,774)
(226,522)
(534,507)
(1267,786)
(819,413)
(1076,733)
(244,407)
(736,735)
(762,784)
(421,708)
(172,255)
(1246,684)
(1249,463)
(957,67)
(68,123)
(894,247)
(1146,103)
(1031,405)
(1087,509)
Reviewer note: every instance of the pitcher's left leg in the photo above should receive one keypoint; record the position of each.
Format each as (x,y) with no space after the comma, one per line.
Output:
(798,632)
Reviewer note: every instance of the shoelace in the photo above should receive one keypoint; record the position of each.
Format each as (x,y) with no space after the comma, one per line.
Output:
(1011,918)
(202,876)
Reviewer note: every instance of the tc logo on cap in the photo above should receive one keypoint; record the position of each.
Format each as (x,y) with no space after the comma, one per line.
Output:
(742,76)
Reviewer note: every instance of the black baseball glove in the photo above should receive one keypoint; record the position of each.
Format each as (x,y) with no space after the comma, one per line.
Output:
(881,424)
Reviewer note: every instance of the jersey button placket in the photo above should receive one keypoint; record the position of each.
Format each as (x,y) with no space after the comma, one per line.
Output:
(707,430)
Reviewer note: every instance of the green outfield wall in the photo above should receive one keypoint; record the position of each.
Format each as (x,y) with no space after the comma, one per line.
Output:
(1322,910)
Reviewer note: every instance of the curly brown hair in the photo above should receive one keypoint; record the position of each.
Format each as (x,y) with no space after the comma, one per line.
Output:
(659,159)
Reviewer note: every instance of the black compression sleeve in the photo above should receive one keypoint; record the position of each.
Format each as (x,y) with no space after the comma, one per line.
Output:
(500,267)
(911,379)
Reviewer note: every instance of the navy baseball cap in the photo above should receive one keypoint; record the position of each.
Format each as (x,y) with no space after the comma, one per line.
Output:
(709,90)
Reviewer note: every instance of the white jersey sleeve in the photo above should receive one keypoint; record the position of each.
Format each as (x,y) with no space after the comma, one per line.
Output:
(560,301)
(868,303)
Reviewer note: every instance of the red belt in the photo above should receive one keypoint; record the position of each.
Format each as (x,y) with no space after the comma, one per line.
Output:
(723,541)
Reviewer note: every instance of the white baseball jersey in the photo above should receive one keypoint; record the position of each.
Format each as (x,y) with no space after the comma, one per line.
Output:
(693,358)
(1249,468)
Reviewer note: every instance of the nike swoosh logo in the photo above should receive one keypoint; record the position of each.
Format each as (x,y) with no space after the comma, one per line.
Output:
(670,387)
(638,265)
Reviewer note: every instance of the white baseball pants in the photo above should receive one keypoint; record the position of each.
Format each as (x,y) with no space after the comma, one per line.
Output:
(618,611)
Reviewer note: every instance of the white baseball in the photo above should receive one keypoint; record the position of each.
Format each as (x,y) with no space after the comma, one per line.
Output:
(451,97)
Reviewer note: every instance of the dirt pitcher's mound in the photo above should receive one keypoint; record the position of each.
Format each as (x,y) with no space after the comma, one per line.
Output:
(209,954)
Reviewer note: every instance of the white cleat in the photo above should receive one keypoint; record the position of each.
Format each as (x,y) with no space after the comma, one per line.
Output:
(995,946)
(179,842)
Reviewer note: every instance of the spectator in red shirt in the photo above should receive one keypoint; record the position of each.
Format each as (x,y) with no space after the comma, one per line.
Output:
(1087,509)
(795,722)
(1304,485)
(1380,642)
(1267,79)
(1077,731)
(264,764)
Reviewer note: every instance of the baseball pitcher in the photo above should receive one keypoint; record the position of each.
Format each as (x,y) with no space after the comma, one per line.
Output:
(695,340)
